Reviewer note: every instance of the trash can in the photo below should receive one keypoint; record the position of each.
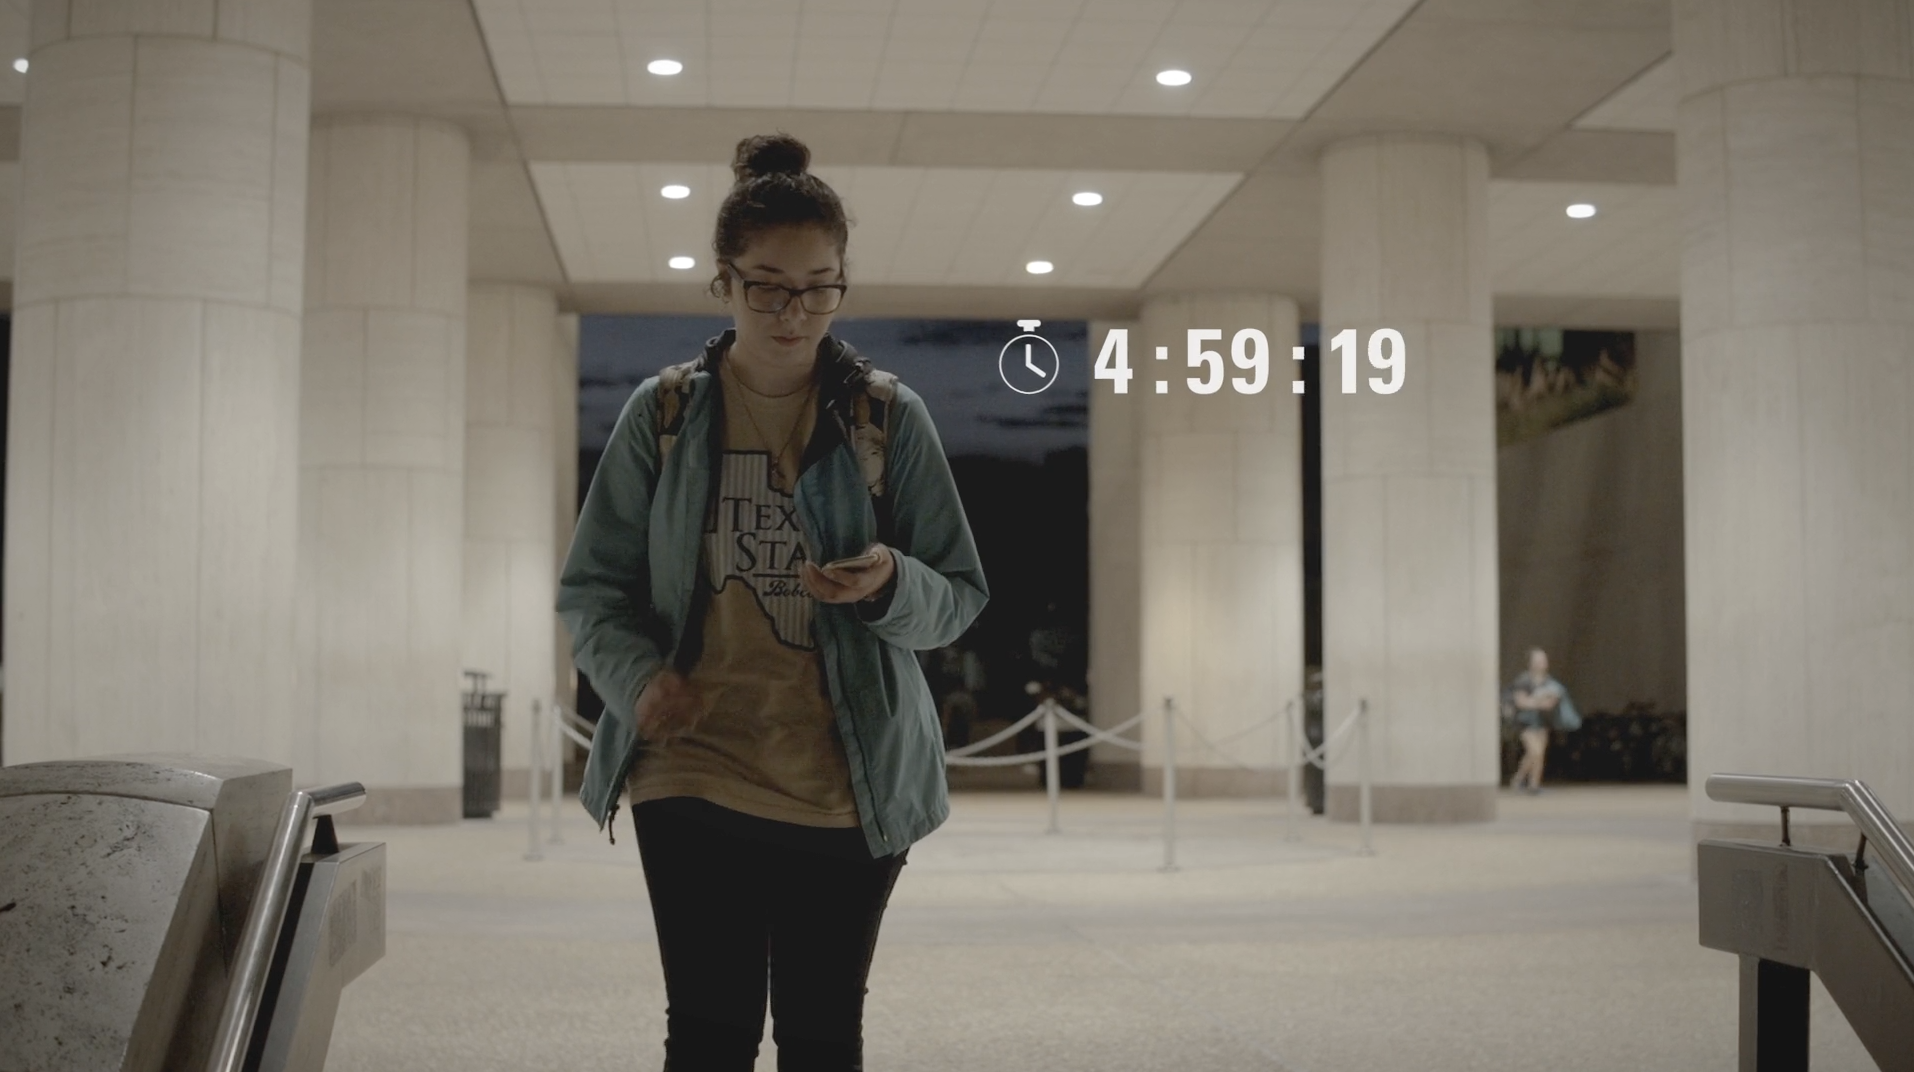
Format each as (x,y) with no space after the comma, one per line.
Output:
(484,711)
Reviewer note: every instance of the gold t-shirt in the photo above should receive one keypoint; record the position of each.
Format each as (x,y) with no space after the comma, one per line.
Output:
(767,744)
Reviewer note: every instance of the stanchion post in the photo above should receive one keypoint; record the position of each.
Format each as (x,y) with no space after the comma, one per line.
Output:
(556,757)
(1362,747)
(1298,741)
(531,787)
(1052,778)
(1169,783)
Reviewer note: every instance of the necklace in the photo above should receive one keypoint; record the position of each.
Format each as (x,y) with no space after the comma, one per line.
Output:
(777,456)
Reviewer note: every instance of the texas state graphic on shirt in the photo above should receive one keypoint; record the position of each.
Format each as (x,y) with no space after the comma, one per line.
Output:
(753,539)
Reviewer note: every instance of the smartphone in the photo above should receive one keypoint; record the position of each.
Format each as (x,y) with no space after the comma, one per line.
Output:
(856,562)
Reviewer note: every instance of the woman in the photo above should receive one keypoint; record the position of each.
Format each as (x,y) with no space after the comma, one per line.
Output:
(1540,703)
(764,706)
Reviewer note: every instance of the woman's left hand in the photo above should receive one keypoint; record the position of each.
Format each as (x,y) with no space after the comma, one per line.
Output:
(849,586)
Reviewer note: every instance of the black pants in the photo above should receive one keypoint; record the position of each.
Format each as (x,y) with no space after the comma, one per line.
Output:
(738,916)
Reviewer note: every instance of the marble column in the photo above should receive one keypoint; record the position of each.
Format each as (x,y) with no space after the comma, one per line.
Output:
(382,511)
(152,461)
(1795,143)
(1410,599)
(1116,587)
(565,519)
(512,341)
(1221,555)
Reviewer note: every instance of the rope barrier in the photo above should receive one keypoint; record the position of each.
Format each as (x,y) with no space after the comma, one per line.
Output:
(1218,750)
(965,757)
(574,720)
(1103,736)
(1253,727)
(1005,734)
(1319,756)
(577,738)
(551,726)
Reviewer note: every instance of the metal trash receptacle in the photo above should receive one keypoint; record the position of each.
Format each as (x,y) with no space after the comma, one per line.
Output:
(483,716)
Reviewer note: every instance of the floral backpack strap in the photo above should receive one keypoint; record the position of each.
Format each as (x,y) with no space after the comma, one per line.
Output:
(870,419)
(870,440)
(674,390)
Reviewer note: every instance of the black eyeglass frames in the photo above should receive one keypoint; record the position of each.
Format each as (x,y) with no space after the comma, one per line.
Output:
(773,297)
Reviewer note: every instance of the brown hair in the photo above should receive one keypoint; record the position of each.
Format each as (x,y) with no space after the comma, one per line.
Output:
(773,189)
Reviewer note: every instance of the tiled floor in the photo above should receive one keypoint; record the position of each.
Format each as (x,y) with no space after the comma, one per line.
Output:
(1561,936)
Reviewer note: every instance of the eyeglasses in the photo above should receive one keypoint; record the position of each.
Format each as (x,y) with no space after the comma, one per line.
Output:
(773,297)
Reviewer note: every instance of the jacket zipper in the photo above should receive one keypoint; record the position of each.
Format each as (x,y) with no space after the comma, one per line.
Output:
(837,668)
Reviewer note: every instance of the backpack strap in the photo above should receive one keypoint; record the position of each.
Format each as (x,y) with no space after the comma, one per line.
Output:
(674,391)
(868,427)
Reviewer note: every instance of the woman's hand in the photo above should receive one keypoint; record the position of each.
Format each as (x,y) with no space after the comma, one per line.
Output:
(669,707)
(849,586)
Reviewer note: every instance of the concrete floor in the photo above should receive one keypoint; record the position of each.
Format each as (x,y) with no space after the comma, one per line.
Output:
(1561,936)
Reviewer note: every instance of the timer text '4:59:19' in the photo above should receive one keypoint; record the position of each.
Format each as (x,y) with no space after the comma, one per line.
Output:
(1249,351)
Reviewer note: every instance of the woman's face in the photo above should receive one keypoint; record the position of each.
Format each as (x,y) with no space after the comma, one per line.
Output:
(795,257)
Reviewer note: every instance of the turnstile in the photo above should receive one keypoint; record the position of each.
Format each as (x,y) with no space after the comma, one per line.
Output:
(162,912)
(1788,911)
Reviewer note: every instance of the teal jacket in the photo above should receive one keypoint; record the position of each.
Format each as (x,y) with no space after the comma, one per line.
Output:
(630,580)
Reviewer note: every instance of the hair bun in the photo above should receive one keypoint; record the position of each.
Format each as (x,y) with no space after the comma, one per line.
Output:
(769,154)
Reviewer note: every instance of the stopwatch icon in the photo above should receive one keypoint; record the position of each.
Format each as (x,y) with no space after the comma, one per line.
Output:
(1029,363)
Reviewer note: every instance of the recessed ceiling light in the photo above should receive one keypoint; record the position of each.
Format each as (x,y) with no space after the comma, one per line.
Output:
(676,192)
(1581,210)
(664,66)
(1039,267)
(682,263)
(1087,198)
(1173,77)
(20,65)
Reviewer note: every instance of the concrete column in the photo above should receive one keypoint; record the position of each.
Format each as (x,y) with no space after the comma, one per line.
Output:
(1795,138)
(1221,547)
(1409,521)
(565,519)
(152,446)
(1116,582)
(512,342)
(382,512)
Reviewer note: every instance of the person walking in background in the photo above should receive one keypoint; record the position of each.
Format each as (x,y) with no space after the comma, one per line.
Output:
(956,677)
(771,535)
(1539,703)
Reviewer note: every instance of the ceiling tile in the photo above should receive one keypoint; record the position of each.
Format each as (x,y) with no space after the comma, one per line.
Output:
(919,226)
(1236,14)
(843,27)
(910,50)
(1019,26)
(933,26)
(1646,103)
(1631,248)
(1040,9)
(1104,33)
(1094,57)
(570,16)
(1040,54)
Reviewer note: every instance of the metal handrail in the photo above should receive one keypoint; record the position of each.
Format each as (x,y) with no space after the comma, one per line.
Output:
(268,914)
(1849,795)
